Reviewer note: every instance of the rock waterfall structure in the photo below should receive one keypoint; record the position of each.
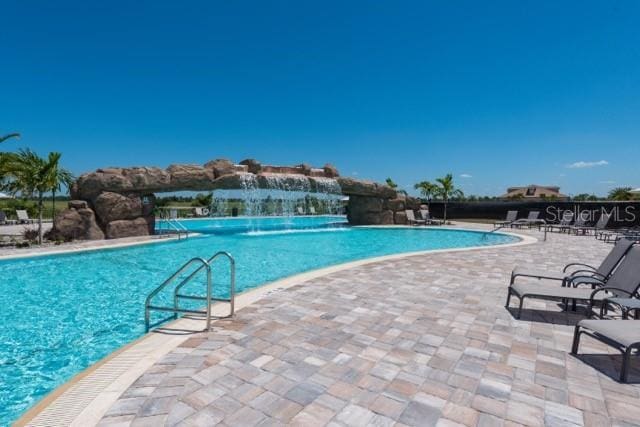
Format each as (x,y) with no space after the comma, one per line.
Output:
(120,202)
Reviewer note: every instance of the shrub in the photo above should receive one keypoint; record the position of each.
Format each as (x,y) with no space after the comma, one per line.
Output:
(30,234)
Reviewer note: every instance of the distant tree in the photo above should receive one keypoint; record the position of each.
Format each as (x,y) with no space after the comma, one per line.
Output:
(202,200)
(584,197)
(446,190)
(621,194)
(427,189)
(391,184)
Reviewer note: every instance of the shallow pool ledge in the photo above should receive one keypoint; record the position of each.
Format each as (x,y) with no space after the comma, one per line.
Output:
(84,399)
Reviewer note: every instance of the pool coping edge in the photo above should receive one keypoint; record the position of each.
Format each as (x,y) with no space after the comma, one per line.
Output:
(103,399)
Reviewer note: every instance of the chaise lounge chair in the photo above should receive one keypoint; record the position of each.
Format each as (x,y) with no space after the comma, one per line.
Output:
(411,218)
(601,225)
(624,335)
(511,217)
(23,217)
(3,218)
(563,225)
(300,210)
(531,220)
(624,282)
(426,217)
(579,271)
(312,210)
(612,236)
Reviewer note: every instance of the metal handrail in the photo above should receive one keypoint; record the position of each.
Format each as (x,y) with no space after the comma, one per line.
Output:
(173,223)
(148,307)
(232,284)
(205,264)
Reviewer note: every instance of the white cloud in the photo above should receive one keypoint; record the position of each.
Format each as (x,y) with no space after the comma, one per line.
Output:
(465,175)
(607,182)
(582,165)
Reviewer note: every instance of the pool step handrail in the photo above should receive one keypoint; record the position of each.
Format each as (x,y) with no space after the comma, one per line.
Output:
(208,299)
(174,226)
(232,285)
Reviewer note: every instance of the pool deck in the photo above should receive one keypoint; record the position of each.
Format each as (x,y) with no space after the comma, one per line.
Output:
(407,340)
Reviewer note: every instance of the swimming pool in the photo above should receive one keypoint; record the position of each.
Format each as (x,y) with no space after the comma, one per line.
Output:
(63,313)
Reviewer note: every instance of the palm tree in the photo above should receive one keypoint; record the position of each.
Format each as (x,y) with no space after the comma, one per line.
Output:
(621,194)
(391,184)
(58,177)
(31,175)
(3,138)
(446,190)
(9,136)
(427,189)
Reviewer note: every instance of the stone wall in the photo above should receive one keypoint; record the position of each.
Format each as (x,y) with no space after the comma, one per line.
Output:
(380,209)
(119,202)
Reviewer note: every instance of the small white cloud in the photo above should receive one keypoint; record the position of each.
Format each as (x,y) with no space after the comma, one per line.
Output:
(582,165)
(465,175)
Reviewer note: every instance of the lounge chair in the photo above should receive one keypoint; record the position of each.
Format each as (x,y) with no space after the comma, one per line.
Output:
(585,272)
(23,217)
(312,210)
(563,225)
(612,236)
(602,223)
(624,335)
(624,282)
(3,218)
(426,217)
(511,217)
(200,211)
(411,218)
(300,210)
(531,220)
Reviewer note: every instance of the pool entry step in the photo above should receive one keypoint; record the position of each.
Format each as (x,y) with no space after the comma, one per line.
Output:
(202,266)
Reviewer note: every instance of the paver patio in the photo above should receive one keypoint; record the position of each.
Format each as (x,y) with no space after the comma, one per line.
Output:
(423,340)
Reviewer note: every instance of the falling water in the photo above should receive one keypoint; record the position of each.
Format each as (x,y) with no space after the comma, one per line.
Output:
(276,194)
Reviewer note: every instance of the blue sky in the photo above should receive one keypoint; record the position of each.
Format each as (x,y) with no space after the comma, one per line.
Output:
(503,92)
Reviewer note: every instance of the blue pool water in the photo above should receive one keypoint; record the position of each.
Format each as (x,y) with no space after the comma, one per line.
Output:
(60,314)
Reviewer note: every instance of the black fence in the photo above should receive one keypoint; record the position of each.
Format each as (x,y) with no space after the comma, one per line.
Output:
(624,214)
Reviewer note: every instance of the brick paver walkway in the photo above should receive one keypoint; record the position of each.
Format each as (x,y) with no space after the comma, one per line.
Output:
(418,341)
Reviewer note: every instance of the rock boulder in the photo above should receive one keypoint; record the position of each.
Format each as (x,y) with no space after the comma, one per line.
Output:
(191,177)
(358,187)
(330,171)
(128,228)
(220,167)
(113,206)
(253,165)
(76,224)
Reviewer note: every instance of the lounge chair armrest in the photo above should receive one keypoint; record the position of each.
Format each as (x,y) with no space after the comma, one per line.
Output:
(577,264)
(587,273)
(575,281)
(607,289)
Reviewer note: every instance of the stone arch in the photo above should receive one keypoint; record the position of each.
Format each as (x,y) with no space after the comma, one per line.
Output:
(119,202)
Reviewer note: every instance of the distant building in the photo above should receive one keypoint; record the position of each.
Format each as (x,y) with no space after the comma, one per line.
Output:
(534,192)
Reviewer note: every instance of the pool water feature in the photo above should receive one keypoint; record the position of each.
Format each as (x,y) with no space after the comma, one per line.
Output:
(63,313)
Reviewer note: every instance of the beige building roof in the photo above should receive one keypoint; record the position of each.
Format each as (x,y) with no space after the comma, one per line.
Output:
(534,191)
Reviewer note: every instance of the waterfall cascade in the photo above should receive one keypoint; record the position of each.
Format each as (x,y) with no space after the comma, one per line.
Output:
(276,194)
